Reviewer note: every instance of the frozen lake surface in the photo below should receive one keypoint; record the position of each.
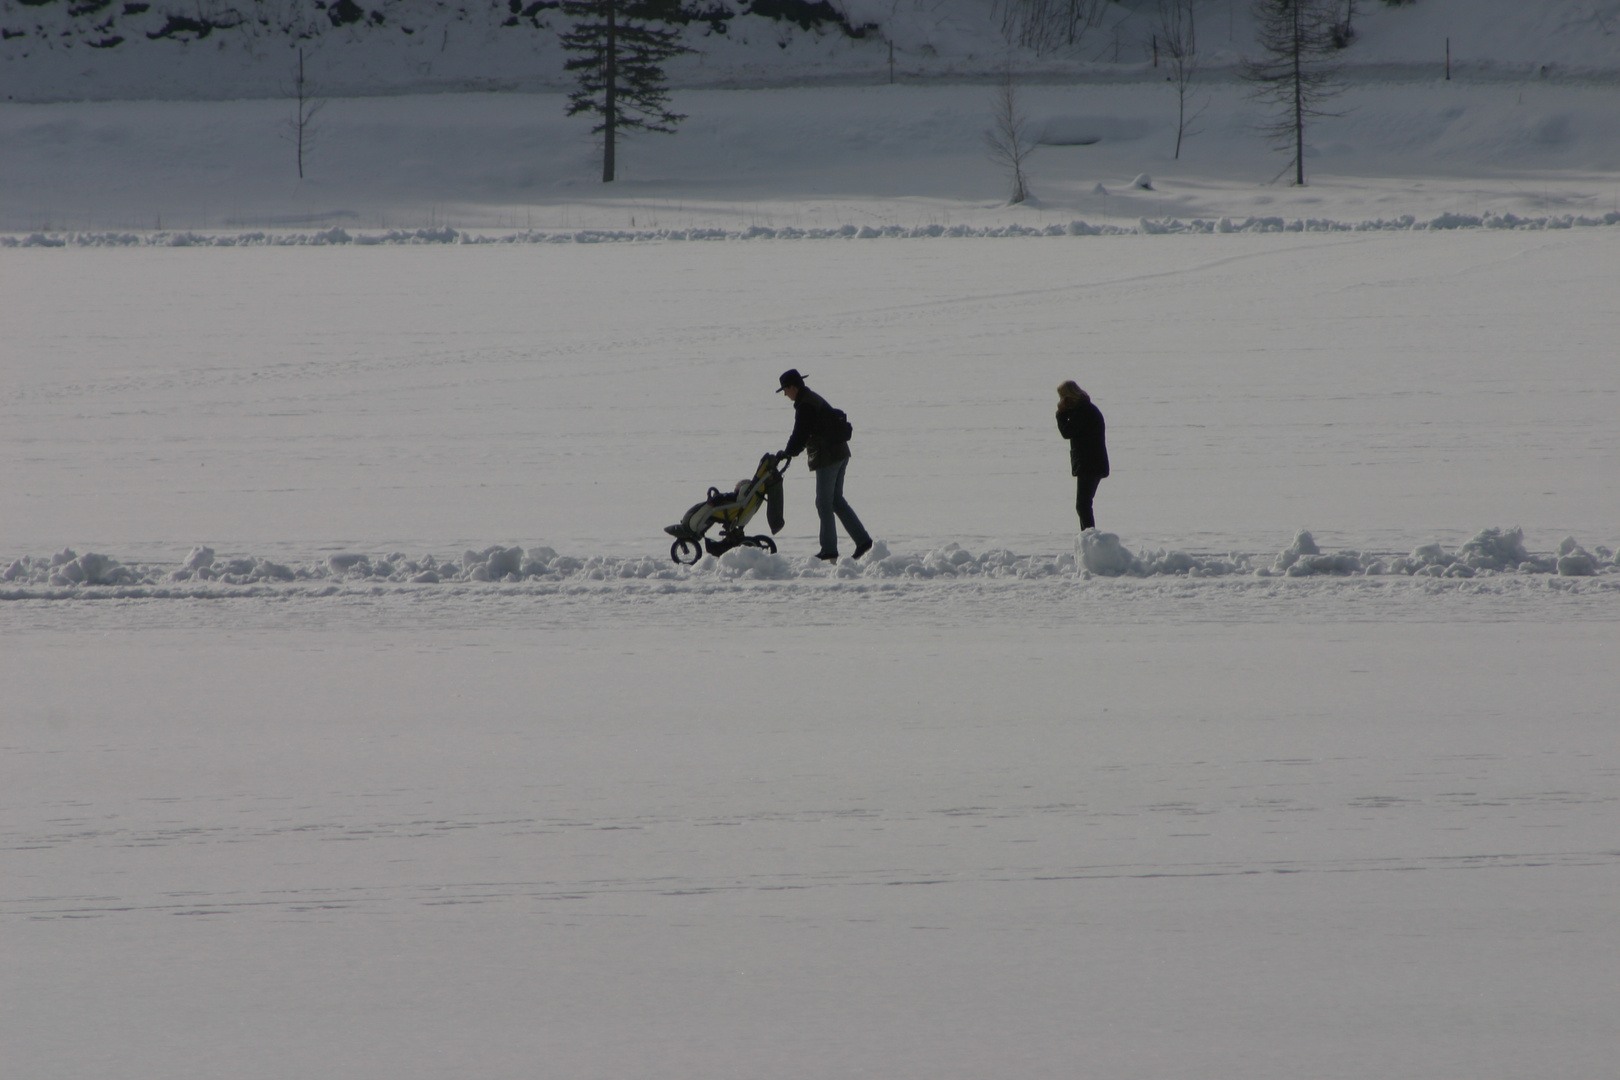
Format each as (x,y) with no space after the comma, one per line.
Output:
(1381,390)
(758,819)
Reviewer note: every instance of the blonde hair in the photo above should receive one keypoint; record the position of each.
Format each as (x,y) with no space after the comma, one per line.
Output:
(1069,390)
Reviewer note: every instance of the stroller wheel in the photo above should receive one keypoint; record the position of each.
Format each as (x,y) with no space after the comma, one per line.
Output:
(763,542)
(691,549)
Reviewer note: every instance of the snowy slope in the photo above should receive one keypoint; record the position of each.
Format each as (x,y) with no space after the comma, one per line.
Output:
(56,51)
(902,156)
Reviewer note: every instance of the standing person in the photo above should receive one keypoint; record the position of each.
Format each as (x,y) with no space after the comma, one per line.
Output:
(818,428)
(1081,422)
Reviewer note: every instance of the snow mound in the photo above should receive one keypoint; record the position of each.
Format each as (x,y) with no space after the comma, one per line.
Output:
(1102,554)
(1303,558)
(757,233)
(754,563)
(1575,561)
(68,568)
(204,572)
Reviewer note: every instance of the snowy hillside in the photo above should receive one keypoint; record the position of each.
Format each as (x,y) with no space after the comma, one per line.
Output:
(135,117)
(56,50)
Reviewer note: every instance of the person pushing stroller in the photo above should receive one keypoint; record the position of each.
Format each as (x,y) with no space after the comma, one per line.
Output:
(825,432)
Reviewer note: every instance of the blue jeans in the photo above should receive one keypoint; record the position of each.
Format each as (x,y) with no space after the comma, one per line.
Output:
(830,504)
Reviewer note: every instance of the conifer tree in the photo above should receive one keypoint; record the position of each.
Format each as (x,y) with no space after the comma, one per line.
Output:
(620,48)
(1296,37)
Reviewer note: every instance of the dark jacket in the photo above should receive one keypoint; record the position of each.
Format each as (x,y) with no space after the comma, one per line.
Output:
(810,418)
(1082,424)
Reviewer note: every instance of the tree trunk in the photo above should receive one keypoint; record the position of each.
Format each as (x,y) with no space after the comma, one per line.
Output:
(1299,96)
(300,132)
(610,114)
(1181,122)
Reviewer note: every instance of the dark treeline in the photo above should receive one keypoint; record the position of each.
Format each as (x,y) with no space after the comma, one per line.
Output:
(123,24)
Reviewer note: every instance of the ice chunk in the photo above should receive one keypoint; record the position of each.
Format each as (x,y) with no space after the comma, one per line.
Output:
(1431,554)
(1102,553)
(1574,560)
(1494,549)
(503,561)
(895,565)
(1304,544)
(1169,562)
(1344,562)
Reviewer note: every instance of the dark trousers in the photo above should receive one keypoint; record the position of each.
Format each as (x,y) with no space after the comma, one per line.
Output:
(831,507)
(1085,491)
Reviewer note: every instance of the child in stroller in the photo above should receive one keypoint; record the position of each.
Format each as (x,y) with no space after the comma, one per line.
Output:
(732,510)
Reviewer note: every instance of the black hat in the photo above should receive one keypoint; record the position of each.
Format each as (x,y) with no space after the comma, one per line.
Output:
(790,377)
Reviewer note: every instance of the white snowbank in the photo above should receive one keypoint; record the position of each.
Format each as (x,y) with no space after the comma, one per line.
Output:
(68,574)
(1102,553)
(1077,227)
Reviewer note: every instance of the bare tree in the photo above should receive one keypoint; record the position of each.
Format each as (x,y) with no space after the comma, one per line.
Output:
(1177,32)
(1008,140)
(1295,37)
(1344,30)
(1044,25)
(301,126)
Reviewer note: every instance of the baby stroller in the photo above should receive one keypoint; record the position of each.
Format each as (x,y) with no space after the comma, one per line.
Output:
(731,510)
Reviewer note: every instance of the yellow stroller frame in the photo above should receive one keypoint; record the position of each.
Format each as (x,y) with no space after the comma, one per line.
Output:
(732,511)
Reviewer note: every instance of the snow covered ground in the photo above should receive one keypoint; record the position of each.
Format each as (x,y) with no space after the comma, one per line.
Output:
(1382,390)
(899,157)
(794,835)
(284,810)
(356,723)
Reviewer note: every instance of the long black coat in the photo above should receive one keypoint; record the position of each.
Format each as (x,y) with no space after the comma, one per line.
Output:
(809,424)
(1081,423)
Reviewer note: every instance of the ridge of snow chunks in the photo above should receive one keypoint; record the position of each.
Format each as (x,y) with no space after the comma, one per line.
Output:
(1102,554)
(68,568)
(1499,551)
(953,560)
(1491,551)
(1303,558)
(201,565)
(513,564)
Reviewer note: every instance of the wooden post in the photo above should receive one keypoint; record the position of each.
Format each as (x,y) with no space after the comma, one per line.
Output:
(1448,59)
